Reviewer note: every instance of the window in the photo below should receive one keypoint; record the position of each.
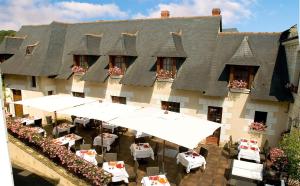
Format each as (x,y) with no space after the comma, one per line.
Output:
(33,81)
(30,49)
(166,67)
(50,92)
(170,106)
(118,99)
(81,61)
(239,74)
(260,116)
(78,94)
(118,65)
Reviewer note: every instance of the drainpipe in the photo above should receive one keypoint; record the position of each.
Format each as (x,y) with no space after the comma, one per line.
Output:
(5,164)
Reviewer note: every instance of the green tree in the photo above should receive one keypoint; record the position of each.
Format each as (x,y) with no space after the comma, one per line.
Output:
(4,33)
(291,146)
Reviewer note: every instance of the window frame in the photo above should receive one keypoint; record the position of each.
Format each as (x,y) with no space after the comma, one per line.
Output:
(78,94)
(170,62)
(119,99)
(250,74)
(256,113)
(170,106)
(122,63)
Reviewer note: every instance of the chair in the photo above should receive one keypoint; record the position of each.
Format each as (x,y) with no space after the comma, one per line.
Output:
(152,171)
(73,118)
(73,129)
(85,147)
(38,122)
(203,152)
(110,157)
(132,172)
(49,120)
(179,175)
(60,134)
(182,149)
(156,149)
(99,159)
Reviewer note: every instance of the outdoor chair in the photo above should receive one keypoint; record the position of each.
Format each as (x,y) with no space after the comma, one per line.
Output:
(182,149)
(132,172)
(152,171)
(77,145)
(110,157)
(85,147)
(203,152)
(73,118)
(38,122)
(60,134)
(73,129)
(99,159)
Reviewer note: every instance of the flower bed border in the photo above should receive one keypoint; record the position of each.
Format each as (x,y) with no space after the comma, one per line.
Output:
(59,154)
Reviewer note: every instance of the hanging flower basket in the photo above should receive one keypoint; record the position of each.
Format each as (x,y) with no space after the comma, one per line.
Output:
(78,69)
(257,127)
(115,71)
(238,84)
(164,74)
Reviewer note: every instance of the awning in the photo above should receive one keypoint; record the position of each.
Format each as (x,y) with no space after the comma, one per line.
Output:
(177,128)
(54,102)
(105,111)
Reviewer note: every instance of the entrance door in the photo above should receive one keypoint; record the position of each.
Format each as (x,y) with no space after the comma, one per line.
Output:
(214,114)
(17,96)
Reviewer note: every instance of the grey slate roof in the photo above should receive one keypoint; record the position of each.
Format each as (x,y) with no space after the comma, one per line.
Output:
(207,53)
(125,46)
(172,47)
(10,45)
(89,45)
(46,57)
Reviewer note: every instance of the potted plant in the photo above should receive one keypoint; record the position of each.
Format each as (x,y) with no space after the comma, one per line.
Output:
(257,127)
(115,71)
(78,69)
(238,84)
(165,74)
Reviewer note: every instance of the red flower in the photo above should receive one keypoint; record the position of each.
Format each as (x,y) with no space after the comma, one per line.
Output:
(258,126)
(239,84)
(78,69)
(165,74)
(116,71)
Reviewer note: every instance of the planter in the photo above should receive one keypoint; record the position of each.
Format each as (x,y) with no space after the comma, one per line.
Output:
(251,131)
(116,76)
(240,90)
(165,80)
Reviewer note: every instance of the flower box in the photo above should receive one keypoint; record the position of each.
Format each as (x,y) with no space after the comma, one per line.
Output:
(238,84)
(165,75)
(115,71)
(78,69)
(257,127)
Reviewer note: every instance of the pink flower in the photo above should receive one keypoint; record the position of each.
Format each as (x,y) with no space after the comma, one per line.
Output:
(239,84)
(78,69)
(116,71)
(165,74)
(258,126)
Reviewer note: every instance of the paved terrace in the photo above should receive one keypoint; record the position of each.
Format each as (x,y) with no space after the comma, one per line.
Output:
(216,168)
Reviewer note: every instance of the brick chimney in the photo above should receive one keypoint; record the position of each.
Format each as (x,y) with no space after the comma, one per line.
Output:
(165,14)
(216,11)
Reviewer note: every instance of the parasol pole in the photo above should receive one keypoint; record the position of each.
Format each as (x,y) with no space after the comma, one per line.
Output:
(55,124)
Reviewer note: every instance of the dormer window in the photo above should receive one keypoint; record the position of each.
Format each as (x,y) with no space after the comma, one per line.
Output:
(29,49)
(117,65)
(241,77)
(166,67)
(83,62)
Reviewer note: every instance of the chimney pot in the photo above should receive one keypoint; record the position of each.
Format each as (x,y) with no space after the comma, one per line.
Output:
(165,14)
(216,11)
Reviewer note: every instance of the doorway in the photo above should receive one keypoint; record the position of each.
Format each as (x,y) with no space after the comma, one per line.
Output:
(17,96)
(214,114)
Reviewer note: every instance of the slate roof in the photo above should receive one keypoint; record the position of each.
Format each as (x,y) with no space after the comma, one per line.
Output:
(10,45)
(196,40)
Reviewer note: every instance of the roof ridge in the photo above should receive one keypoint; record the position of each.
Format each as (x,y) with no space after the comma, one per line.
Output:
(252,33)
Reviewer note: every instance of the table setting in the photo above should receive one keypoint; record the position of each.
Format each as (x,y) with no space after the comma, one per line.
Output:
(248,149)
(155,180)
(62,128)
(88,155)
(141,150)
(82,121)
(191,160)
(108,139)
(67,139)
(117,169)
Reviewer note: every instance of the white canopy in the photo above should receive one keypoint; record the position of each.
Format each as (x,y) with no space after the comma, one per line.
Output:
(177,128)
(101,111)
(54,102)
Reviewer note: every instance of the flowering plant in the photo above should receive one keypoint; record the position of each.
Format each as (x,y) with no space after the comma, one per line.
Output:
(278,158)
(258,126)
(78,69)
(239,84)
(66,158)
(165,74)
(116,71)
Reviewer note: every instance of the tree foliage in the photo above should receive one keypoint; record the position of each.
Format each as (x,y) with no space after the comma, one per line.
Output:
(291,146)
(4,33)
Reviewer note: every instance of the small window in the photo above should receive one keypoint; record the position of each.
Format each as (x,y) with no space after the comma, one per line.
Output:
(241,76)
(33,81)
(170,106)
(30,49)
(117,65)
(260,116)
(118,99)
(78,94)
(50,92)
(166,67)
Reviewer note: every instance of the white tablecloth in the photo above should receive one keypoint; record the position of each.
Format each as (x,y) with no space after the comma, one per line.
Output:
(82,121)
(70,139)
(29,121)
(108,139)
(154,180)
(143,150)
(191,160)
(247,170)
(248,150)
(62,129)
(139,134)
(109,126)
(119,174)
(88,155)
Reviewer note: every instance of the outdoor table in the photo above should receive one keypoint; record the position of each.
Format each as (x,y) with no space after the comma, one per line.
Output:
(62,128)
(248,149)
(88,155)
(39,130)
(155,180)
(108,139)
(67,139)
(29,121)
(141,150)
(248,170)
(109,126)
(82,121)
(139,134)
(117,169)
(191,160)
